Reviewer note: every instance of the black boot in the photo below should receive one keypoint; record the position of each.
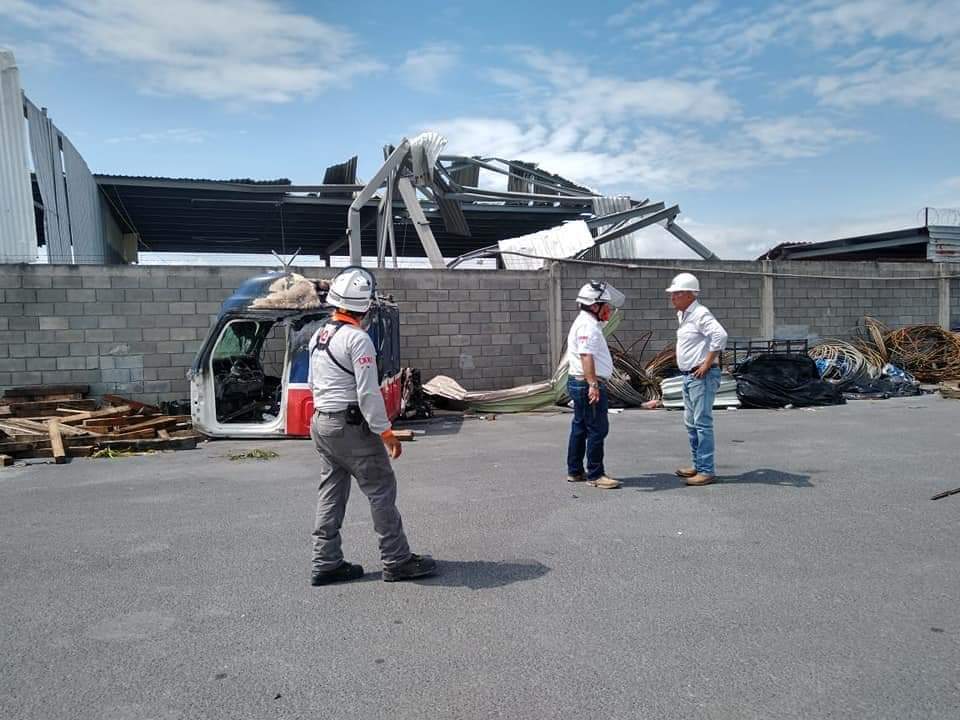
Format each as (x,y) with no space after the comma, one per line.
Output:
(416,566)
(344,573)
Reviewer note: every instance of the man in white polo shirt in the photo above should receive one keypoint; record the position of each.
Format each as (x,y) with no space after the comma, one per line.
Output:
(700,340)
(590,367)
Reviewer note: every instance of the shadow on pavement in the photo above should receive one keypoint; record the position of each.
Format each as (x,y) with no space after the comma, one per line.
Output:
(435,426)
(761,476)
(478,574)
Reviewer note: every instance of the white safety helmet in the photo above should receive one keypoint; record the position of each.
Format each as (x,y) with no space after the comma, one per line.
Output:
(684,282)
(600,292)
(352,290)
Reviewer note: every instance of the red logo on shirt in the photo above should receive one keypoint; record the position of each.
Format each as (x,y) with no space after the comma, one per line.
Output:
(365,360)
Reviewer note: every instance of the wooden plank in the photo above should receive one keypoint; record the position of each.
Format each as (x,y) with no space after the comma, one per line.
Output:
(157,423)
(403,435)
(199,437)
(41,390)
(135,435)
(112,422)
(14,429)
(25,438)
(56,443)
(42,428)
(27,424)
(5,460)
(117,400)
(44,407)
(88,415)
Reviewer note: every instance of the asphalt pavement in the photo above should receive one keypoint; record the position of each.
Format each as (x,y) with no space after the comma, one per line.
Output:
(816,580)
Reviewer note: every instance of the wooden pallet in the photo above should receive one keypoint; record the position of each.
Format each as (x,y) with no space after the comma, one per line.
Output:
(59,422)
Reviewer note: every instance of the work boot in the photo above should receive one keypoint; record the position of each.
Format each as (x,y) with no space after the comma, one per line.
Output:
(579,477)
(701,479)
(604,483)
(685,472)
(344,573)
(416,566)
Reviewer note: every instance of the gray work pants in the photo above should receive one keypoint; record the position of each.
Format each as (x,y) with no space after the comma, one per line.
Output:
(347,450)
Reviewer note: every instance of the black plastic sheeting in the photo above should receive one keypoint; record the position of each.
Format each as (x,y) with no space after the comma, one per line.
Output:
(774,380)
(880,388)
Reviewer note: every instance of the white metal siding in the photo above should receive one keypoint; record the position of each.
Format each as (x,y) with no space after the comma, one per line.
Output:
(18,234)
(83,199)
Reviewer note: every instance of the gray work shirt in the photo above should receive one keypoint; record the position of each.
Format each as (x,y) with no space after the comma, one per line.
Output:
(334,389)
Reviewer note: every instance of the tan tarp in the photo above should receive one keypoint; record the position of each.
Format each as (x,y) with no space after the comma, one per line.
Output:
(522,398)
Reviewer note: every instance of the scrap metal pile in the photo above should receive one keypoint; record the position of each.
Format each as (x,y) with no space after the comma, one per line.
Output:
(60,422)
(884,362)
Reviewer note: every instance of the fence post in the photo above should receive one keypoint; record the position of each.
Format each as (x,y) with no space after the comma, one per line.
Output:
(554,313)
(943,299)
(767,319)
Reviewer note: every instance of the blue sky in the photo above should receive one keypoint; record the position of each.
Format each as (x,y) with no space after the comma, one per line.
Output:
(766,122)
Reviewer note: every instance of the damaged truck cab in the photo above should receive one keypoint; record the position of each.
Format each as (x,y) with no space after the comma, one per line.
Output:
(249,379)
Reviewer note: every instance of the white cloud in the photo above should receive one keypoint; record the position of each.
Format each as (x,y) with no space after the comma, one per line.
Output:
(652,135)
(845,23)
(570,91)
(929,84)
(425,67)
(797,137)
(30,54)
(240,51)
(178,136)
(647,160)
(631,11)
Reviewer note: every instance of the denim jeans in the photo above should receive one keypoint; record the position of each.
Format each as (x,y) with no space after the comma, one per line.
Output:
(698,396)
(587,431)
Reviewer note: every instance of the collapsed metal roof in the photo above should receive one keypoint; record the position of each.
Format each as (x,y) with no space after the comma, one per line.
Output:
(419,203)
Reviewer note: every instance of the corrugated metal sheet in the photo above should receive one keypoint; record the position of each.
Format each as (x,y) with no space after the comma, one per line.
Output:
(45,148)
(18,234)
(944,243)
(83,200)
(627,247)
(343,174)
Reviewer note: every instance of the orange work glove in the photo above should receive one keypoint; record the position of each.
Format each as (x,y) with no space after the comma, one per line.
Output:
(393,445)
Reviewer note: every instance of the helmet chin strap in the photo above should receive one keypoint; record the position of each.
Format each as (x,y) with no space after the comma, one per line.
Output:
(603,309)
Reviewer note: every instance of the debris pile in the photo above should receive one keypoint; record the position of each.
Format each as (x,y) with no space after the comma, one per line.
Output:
(60,422)
(632,383)
(929,352)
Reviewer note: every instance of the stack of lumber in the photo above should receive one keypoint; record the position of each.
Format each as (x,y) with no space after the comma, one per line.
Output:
(60,421)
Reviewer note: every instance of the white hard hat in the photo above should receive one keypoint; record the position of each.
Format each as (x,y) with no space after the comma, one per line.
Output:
(684,282)
(600,292)
(352,290)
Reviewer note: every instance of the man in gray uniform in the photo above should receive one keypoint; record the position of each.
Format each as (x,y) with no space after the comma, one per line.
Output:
(353,435)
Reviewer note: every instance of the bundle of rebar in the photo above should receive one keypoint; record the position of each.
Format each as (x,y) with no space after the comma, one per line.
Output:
(664,363)
(631,382)
(928,352)
(931,353)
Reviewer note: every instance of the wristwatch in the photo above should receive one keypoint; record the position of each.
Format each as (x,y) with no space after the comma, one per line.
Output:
(594,384)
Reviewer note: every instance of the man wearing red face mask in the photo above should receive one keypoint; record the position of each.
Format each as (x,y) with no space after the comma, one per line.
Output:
(590,367)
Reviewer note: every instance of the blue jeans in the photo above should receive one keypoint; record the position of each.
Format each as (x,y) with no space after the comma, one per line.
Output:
(698,398)
(587,431)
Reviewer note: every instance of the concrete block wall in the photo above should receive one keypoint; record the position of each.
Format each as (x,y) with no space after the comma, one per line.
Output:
(734,299)
(135,330)
(834,307)
(810,308)
(486,329)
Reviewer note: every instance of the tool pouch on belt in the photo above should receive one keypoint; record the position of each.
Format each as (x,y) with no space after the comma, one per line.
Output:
(354,416)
